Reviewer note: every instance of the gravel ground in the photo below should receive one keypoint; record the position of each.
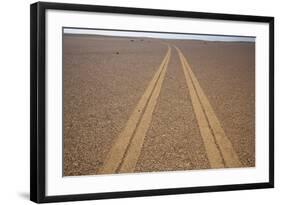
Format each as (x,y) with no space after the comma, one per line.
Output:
(173,141)
(103,80)
(226,72)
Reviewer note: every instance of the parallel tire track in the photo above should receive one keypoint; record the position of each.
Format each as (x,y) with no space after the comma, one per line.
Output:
(218,147)
(126,148)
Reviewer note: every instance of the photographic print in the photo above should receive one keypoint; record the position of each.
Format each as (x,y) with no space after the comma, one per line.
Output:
(136,101)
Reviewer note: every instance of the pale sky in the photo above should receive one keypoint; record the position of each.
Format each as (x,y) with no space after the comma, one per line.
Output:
(159,35)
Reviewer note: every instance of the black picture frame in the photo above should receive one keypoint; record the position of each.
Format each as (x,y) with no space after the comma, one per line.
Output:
(38,101)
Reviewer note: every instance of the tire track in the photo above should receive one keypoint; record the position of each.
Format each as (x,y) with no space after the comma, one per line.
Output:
(218,147)
(125,151)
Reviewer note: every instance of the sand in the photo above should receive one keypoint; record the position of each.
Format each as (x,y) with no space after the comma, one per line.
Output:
(226,72)
(101,88)
(173,141)
(104,78)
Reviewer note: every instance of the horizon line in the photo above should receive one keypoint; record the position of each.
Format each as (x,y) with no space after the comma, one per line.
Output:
(160,35)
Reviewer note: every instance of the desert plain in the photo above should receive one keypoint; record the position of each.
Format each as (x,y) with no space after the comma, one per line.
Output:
(144,105)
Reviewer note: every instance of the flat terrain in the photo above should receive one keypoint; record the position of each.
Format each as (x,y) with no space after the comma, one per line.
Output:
(139,105)
(226,72)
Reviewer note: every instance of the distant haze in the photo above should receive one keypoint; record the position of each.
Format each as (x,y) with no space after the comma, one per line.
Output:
(159,35)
